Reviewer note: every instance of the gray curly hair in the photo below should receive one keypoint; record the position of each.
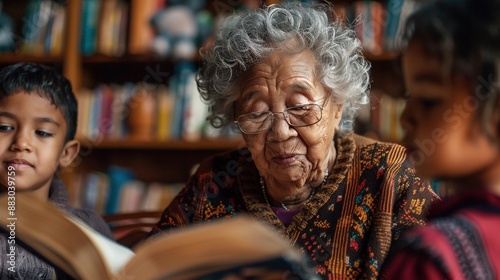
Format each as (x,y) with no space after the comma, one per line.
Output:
(248,38)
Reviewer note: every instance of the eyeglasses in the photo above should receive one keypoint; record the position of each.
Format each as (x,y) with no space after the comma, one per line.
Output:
(296,116)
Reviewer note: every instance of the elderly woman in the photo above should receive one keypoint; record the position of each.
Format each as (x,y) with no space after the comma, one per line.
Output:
(291,79)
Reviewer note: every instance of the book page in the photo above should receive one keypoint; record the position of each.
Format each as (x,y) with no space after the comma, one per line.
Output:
(114,254)
(72,246)
(211,247)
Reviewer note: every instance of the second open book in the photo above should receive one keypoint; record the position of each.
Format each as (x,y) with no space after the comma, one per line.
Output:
(236,248)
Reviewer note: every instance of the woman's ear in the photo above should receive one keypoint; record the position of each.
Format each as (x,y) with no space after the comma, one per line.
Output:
(70,151)
(337,112)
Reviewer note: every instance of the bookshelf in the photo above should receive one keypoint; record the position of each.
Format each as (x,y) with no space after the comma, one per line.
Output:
(167,160)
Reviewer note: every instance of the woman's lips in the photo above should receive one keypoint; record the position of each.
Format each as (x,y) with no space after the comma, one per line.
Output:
(285,159)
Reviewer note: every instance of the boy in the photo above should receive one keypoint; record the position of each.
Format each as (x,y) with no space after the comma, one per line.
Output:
(38,114)
(452,123)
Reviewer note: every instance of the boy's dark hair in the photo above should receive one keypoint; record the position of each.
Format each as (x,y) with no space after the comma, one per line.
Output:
(47,83)
(465,36)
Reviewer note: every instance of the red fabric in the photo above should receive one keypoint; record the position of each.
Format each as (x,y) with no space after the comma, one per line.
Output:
(461,240)
(411,266)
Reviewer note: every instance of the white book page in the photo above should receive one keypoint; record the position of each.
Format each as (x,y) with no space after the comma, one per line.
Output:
(115,255)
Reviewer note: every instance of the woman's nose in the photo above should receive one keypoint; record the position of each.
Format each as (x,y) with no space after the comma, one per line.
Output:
(280,128)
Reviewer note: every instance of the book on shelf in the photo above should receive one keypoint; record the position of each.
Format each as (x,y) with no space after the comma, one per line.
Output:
(384,114)
(392,25)
(398,12)
(195,110)
(141,32)
(367,19)
(106,112)
(236,248)
(89,26)
(111,31)
(377,25)
(118,191)
(118,176)
(43,27)
(95,193)
(54,42)
(104,27)
(166,104)
(7,38)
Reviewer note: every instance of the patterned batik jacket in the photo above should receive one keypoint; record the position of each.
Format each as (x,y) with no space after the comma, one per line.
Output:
(370,198)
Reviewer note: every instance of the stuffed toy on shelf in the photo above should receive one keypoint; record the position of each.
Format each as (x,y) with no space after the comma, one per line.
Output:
(180,29)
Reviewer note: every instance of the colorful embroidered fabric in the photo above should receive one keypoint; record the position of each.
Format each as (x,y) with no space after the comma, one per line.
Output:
(370,198)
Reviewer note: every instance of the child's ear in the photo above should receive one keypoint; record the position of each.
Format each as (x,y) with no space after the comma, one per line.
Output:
(496,123)
(70,151)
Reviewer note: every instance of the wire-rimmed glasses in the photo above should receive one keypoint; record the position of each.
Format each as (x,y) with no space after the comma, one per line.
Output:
(296,116)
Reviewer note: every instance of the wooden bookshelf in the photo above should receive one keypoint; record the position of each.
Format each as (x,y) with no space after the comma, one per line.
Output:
(152,161)
(169,161)
(216,144)
(128,58)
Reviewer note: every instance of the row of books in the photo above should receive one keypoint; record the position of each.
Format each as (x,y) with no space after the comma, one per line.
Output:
(379,26)
(146,111)
(385,114)
(118,191)
(42,30)
(113,27)
(103,27)
(107,26)
(380,118)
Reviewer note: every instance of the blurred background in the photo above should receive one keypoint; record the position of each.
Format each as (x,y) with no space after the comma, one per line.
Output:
(132,64)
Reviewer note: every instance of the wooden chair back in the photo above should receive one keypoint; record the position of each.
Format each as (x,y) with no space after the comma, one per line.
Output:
(131,228)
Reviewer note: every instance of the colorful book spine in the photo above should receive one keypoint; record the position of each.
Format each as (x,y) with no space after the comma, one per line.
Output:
(391,29)
(88,28)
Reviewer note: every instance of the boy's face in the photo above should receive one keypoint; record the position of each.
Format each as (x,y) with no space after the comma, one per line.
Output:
(443,134)
(32,133)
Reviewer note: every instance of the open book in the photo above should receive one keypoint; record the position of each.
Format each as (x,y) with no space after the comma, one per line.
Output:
(236,248)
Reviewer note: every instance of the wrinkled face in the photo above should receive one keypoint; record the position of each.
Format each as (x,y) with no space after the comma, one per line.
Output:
(285,154)
(444,137)
(32,133)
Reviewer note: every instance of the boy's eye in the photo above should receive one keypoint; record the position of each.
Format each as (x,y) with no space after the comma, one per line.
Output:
(43,133)
(5,127)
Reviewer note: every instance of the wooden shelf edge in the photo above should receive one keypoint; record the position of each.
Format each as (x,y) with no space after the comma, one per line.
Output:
(385,55)
(179,144)
(127,58)
(21,57)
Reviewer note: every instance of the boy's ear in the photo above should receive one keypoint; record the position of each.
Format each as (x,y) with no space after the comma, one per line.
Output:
(70,151)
